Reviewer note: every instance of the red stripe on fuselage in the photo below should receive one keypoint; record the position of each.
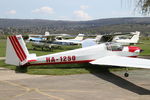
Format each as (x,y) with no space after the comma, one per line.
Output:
(32,60)
(133,56)
(82,61)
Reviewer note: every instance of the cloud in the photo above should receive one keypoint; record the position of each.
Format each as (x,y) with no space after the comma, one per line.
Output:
(82,15)
(45,10)
(84,7)
(11,12)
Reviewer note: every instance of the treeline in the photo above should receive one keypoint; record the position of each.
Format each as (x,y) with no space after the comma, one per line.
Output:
(101,26)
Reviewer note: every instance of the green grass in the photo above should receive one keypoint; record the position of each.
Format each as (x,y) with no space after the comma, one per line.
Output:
(65,69)
(145,45)
(39,51)
(2,64)
(2,48)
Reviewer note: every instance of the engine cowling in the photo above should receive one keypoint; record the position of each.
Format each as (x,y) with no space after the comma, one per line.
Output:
(133,49)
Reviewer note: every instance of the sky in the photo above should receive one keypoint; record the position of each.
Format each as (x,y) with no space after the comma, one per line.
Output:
(74,10)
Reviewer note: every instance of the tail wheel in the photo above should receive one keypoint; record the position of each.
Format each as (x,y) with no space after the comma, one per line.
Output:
(21,69)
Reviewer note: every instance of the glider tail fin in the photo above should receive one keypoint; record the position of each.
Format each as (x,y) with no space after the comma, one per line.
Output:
(79,37)
(135,37)
(16,51)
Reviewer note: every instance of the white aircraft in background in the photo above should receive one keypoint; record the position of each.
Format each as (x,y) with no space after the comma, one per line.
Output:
(38,38)
(123,38)
(111,54)
(77,40)
(58,38)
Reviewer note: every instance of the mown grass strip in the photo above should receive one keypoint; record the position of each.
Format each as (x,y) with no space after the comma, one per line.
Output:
(65,69)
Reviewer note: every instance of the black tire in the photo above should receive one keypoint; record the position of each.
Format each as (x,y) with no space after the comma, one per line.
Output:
(126,74)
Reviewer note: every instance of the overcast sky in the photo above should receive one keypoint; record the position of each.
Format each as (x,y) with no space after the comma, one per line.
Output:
(67,9)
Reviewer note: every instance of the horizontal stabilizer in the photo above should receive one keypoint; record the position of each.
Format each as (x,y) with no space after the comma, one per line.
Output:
(122,62)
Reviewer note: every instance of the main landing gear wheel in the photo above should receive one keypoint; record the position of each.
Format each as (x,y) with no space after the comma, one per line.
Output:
(126,74)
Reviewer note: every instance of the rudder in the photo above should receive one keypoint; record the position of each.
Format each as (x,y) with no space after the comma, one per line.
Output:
(135,37)
(16,51)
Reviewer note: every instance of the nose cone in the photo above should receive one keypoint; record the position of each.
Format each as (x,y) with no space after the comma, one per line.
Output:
(134,49)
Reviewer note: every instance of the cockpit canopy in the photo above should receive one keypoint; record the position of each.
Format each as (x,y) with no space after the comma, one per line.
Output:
(114,46)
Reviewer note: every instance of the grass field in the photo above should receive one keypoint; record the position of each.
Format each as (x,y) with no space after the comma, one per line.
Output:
(39,52)
(145,45)
(65,69)
(2,48)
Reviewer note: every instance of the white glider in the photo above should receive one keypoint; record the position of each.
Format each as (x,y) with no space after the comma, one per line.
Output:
(103,54)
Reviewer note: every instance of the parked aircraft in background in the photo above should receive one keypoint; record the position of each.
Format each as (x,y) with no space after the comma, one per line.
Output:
(57,38)
(51,42)
(123,38)
(111,54)
(35,38)
(45,45)
(77,40)
(38,38)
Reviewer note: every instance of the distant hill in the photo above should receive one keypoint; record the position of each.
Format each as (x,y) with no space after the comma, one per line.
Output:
(10,26)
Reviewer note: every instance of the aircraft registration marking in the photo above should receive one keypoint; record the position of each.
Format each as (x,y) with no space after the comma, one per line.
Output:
(61,59)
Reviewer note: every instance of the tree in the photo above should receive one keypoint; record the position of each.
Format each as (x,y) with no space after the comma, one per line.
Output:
(144,6)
